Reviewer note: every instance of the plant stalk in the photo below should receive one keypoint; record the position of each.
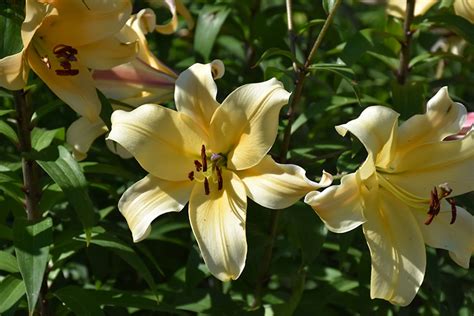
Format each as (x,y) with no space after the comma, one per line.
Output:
(300,77)
(403,69)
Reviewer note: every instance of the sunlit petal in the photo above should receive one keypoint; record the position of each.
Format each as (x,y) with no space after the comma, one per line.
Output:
(464,8)
(443,117)
(175,7)
(13,71)
(340,207)
(397,250)
(278,186)
(98,19)
(458,237)
(245,125)
(218,222)
(82,133)
(149,198)
(397,7)
(375,128)
(424,167)
(195,92)
(76,91)
(107,53)
(162,140)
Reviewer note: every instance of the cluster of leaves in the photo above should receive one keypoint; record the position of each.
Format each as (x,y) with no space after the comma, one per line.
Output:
(84,246)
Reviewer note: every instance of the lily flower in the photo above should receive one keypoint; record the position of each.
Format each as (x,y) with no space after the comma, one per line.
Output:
(397,8)
(212,155)
(402,195)
(465,8)
(142,80)
(62,40)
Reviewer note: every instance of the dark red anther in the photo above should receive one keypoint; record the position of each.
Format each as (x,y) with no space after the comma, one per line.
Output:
(207,191)
(198,165)
(453,210)
(203,158)
(191,175)
(220,182)
(434,206)
(67,72)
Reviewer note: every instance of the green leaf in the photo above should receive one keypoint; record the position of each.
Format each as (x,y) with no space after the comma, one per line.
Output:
(127,254)
(328,5)
(455,23)
(79,301)
(5,112)
(276,52)
(106,109)
(42,138)
(32,241)
(65,171)
(11,290)
(408,99)
(8,262)
(8,131)
(208,25)
(10,41)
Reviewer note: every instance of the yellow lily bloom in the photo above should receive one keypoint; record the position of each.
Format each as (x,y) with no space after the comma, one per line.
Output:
(465,8)
(142,80)
(397,8)
(402,194)
(212,155)
(62,40)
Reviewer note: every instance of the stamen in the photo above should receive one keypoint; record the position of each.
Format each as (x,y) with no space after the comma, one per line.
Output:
(207,191)
(220,182)
(434,206)
(191,175)
(198,165)
(203,158)
(45,60)
(65,54)
(453,210)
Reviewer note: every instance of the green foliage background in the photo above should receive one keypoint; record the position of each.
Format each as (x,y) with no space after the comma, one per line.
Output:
(93,267)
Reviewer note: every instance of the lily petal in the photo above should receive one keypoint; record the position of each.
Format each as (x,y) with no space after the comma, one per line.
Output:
(164,142)
(81,134)
(107,53)
(397,250)
(175,7)
(245,125)
(103,18)
(195,92)
(375,128)
(458,237)
(76,91)
(443,117)
(340,207)
(397,8)
(149,198)
(278,186)
(218,223)
(13,71)
(35,12)
(464,8)
(424,167)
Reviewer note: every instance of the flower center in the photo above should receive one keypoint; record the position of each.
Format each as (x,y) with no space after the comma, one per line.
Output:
(64,57)
(433,203)
(208,170)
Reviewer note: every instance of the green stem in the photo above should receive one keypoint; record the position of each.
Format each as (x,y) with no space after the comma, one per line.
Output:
(403,69)
(301,73)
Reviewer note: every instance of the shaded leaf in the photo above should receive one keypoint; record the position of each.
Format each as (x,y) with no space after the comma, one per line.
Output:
(10,41)
(11,290)
(8,262)
(32,241)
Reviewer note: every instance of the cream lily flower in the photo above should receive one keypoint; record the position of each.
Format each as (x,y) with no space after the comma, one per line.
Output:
(397,8)
(62,40)
(142,80)
(212,155)
(465,8)
(402,194)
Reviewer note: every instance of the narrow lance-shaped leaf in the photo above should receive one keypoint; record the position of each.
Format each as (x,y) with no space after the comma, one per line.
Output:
(66,172)
(32,241)
(209,23)
(11,290)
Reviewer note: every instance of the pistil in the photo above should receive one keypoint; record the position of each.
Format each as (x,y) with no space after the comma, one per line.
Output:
(204,172)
